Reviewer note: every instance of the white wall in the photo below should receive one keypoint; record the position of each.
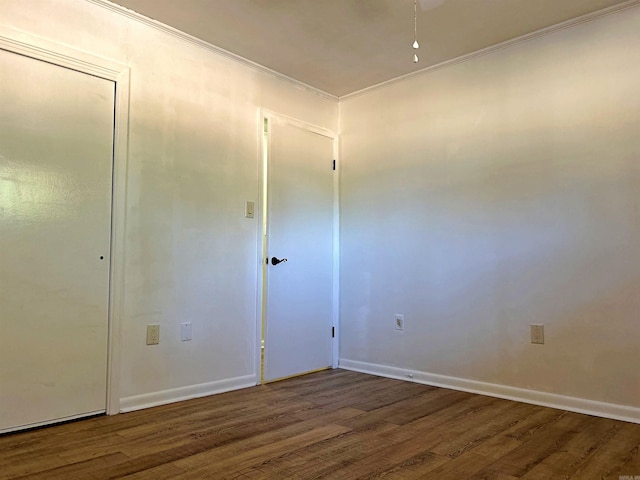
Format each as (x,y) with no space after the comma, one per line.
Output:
(498,192)
(193,161)
(476,199)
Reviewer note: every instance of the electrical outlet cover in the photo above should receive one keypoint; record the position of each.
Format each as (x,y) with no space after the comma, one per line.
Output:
(153,334)
(537,334)
(185,331)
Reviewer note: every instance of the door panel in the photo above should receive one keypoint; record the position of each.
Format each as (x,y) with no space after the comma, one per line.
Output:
(56,144)
(300,229)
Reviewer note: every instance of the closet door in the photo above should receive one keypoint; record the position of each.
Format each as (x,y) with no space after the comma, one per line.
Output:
(56,157)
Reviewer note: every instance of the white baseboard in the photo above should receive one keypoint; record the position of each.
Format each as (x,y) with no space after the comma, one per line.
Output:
(50,422)
(138,402)
(562,402)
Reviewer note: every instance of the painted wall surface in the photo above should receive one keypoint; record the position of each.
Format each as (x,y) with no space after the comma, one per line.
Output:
(502,191)
(193,162)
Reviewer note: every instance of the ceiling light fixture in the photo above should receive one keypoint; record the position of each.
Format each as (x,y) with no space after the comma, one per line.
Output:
(416,45)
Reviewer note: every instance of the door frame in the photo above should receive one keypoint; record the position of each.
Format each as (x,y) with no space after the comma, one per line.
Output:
(266,116)
(28,45)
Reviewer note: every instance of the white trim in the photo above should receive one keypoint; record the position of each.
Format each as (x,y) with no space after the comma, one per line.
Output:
(336,253)
(118,237)
(262,247)
(120,10)
(506,44)
(163,397)
(34,47)
(51,422)
(337,320)
(29,45)
(294,122)
(545,399)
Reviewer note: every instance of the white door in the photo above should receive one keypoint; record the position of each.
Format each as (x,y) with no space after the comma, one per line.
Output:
(56,150)
(299,291)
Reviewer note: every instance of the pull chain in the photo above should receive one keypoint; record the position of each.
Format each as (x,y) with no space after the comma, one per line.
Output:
(415,30)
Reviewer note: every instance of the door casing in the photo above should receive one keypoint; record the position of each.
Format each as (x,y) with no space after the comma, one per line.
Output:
(266,117)
(40,49)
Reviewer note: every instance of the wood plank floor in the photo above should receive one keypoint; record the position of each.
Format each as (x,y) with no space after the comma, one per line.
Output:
(334,424)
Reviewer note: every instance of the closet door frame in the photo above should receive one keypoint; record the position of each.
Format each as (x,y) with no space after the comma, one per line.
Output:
(15,41)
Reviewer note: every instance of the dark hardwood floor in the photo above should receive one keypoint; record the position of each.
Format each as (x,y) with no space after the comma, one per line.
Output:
(334,424)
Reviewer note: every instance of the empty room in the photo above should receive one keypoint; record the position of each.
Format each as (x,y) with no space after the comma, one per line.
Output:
(298,239)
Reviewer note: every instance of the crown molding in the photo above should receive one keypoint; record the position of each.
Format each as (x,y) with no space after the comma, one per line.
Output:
(502,45)
(120,10)
(130,14)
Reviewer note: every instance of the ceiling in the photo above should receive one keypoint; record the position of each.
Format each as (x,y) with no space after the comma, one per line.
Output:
(342,46)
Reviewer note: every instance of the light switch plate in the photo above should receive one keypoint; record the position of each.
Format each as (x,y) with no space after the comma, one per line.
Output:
(249,208)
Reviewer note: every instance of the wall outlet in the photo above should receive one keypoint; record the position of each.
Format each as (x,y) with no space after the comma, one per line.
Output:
(399,321)
(185,331)
(537,334)
(153,334)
